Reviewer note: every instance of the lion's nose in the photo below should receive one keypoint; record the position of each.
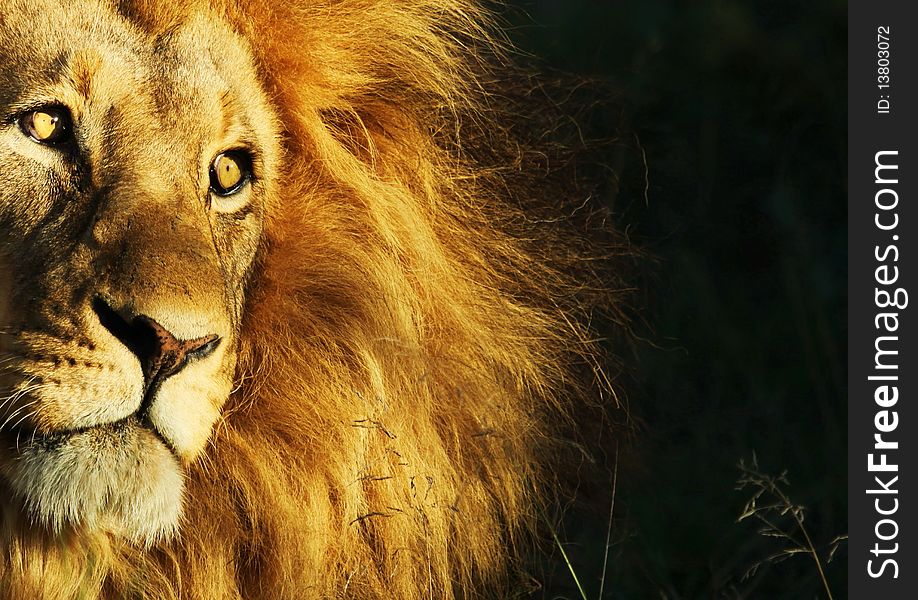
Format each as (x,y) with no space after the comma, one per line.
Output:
(161,354)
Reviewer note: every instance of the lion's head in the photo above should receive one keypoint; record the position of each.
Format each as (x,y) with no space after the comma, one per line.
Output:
(136,172)
(285,307)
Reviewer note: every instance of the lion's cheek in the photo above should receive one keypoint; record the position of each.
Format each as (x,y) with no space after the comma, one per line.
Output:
(186,408)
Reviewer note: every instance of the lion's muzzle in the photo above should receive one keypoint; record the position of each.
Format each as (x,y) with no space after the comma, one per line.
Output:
(160,352)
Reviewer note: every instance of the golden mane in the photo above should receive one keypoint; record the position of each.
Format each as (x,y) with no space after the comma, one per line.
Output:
(416,327)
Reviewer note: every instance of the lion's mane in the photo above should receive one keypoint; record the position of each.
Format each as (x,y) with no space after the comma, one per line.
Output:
(416,327)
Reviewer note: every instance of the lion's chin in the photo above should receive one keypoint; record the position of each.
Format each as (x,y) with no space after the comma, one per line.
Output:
(119,478)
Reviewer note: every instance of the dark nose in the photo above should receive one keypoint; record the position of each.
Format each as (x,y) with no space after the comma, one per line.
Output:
(161,354)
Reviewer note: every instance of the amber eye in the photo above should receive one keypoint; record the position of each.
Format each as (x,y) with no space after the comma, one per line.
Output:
(229,172)
(49,125)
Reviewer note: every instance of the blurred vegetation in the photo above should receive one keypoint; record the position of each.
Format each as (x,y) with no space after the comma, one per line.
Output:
(740,108)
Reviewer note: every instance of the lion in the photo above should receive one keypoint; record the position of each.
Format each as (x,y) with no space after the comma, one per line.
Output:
(286,311)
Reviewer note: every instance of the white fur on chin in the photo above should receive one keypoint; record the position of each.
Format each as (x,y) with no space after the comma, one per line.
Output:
(119,478)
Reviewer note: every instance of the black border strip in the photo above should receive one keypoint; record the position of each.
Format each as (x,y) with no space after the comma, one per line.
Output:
(882,265)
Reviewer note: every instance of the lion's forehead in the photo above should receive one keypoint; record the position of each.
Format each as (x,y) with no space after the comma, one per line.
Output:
(197,76)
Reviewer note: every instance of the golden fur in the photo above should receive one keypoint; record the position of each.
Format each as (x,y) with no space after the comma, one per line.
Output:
(413,333)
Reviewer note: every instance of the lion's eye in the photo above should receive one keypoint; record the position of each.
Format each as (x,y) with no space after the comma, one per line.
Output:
(49,125)
(229,172)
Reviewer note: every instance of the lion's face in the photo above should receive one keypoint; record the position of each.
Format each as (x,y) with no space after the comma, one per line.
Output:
(134,177)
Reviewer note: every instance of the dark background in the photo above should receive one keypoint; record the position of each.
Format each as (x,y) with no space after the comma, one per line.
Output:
(740,108)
